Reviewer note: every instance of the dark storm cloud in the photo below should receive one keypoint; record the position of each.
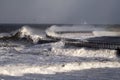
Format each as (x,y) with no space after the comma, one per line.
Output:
(60,11)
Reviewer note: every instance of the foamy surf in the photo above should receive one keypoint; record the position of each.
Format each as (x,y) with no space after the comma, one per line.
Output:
(26,33)
(51,61)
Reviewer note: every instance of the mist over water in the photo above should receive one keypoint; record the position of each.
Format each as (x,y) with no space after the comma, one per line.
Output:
(27,52)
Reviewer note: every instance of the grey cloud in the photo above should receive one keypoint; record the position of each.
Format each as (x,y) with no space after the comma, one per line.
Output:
(60,11)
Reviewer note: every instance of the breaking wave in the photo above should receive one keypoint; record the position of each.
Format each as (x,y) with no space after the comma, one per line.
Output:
(24,33)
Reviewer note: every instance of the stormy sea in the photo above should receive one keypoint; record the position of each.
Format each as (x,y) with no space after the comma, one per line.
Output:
(26,53)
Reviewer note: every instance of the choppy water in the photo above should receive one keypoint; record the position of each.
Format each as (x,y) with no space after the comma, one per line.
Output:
(26,53)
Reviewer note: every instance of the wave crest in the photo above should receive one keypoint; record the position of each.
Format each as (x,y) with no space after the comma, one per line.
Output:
(24,32)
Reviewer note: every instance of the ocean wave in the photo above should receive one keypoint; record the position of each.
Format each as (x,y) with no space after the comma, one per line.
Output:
(26,33)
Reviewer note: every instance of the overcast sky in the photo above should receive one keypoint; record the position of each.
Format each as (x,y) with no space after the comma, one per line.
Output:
(60,11)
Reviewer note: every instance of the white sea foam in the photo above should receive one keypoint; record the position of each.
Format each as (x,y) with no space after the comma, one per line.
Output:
(52,59)
(25,32)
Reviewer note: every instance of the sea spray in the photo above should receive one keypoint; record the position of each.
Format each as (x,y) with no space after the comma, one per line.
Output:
(25,32)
